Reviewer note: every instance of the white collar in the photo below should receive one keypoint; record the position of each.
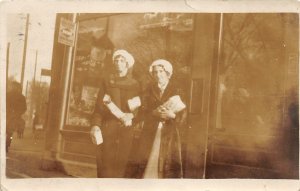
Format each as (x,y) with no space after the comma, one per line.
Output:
(162,87)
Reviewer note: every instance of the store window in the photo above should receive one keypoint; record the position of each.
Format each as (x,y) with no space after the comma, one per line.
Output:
(146,36)
(252,78)
(86,72)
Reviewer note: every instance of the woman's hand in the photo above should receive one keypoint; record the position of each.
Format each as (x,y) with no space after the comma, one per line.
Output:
(167,114)
(156,113)
(164,113)
(127,119)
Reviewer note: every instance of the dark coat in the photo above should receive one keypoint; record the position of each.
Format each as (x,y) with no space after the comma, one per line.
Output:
(170,148)
(113,153)
(15,108)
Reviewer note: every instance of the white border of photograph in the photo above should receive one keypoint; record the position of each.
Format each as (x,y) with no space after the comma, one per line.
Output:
(105,6)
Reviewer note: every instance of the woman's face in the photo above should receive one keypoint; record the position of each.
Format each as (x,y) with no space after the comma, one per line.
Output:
(120,64)
(98,54)
(160,75)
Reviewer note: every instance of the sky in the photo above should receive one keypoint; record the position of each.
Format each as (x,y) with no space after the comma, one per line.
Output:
(40,40)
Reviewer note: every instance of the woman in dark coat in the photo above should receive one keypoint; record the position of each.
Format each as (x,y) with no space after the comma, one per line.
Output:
(160,146)
(15,108)
(113,119)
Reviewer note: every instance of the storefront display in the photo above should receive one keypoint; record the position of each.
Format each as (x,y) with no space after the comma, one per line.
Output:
(87,71)
(147,36)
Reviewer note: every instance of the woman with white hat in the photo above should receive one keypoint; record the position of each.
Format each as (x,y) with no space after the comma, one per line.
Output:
(115,111)
(159,155)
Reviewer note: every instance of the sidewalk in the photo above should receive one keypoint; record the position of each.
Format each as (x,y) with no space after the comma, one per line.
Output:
(25,156)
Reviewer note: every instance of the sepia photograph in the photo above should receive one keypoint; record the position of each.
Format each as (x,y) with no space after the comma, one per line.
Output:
(149,95)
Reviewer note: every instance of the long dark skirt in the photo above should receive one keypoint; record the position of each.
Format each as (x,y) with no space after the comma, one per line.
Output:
(114,153)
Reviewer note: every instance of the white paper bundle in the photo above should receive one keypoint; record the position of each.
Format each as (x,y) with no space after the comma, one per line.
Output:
(112,107)
(174,104)
(96,135)
(134,103)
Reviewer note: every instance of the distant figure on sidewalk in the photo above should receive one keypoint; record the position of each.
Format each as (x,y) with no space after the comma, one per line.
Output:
(35,118)
(20,128)
(15,108)
(37,125)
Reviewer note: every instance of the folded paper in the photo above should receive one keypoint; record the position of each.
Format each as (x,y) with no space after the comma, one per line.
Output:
(174,104)
(112,107)
(134,103)
(96,135)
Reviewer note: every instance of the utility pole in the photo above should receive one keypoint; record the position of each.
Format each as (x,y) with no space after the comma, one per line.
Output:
(36,54)
(26,91)
(33,91)
(24,50)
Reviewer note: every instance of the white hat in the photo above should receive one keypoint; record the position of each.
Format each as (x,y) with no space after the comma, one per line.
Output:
(129,58)
(163,63)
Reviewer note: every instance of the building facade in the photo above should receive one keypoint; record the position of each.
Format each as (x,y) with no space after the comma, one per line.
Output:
(238,74)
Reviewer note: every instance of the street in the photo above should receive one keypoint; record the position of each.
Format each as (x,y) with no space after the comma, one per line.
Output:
(24,157)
